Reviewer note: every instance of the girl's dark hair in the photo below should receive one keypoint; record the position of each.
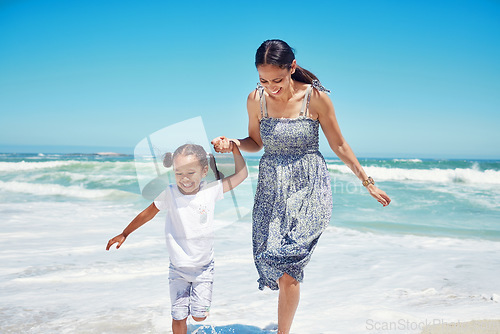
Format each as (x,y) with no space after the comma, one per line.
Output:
(279,53)
(199,152)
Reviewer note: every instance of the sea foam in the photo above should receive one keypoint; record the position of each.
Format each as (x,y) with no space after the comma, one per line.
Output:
(43,189)
(433,175)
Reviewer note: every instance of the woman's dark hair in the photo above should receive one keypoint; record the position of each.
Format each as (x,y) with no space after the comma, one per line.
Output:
(279,53)
(199,152)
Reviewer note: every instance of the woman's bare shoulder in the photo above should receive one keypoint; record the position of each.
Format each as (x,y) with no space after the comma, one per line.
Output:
(320,103)
(254,96)
(253,102)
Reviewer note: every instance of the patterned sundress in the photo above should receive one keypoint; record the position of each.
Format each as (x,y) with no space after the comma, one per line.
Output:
(293,201)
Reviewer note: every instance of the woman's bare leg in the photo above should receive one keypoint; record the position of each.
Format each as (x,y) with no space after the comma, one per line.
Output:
(288,301)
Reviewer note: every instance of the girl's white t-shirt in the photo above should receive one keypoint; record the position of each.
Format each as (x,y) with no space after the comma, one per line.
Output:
(189,223)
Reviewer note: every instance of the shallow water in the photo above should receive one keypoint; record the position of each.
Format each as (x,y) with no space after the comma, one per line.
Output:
(431,256)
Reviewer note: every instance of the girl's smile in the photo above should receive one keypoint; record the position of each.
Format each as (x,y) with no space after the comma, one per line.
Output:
(188,173)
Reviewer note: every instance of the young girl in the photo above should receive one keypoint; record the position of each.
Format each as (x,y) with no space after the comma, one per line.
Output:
(189,229)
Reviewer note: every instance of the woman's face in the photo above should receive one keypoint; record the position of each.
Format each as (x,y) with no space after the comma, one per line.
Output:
(275,80)
(188,173)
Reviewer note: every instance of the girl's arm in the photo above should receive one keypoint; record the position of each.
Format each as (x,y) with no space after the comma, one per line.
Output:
(252,143)
(323,108)
(240,171)
(141,219)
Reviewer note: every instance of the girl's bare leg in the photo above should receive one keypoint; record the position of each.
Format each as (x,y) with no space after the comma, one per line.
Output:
(179,326)
(288,301)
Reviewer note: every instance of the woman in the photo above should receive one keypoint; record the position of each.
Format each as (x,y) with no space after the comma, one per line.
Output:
(293,201)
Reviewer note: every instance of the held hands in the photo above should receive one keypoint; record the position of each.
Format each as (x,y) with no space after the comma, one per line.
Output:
(120,239)
(222,145)
(379,195)
(225,145)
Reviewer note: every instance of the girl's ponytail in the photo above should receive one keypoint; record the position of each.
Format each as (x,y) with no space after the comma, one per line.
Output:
(168,159)
(213,166)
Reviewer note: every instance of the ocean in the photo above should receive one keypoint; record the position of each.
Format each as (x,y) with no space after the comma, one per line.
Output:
(431,256)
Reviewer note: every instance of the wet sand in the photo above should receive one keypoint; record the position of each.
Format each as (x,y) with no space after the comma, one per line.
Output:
(471,327)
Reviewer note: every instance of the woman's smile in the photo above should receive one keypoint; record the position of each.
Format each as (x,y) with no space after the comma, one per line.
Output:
(275,80)
(276,91)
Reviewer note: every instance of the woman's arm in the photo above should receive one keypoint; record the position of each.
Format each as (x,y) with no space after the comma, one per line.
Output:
(323,109)
(141,219)
(252,143)
(240,171)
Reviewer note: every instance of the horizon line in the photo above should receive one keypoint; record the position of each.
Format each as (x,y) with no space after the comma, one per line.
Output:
(129,151)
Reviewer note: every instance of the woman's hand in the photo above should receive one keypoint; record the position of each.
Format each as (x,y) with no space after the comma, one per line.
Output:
(120,239)
(379,195)
(222,145)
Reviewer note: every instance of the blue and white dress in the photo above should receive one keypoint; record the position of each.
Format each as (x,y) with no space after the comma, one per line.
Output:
(293,201)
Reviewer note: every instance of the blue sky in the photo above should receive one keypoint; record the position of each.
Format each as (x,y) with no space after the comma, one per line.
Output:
(408,78)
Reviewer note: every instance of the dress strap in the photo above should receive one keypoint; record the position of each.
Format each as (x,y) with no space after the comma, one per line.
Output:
(305,104)
(316,84)
(263,104)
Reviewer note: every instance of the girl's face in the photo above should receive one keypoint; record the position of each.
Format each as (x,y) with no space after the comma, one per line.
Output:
(188,173)
(275,80)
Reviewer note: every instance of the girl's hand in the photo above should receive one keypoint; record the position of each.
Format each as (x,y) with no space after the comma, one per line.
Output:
(120,239)
(379,195)
(222,145)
